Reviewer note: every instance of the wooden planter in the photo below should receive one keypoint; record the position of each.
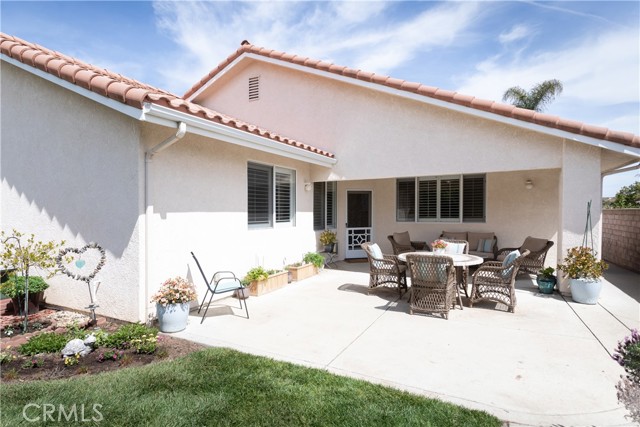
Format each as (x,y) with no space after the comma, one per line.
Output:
(274,282)
(302,272)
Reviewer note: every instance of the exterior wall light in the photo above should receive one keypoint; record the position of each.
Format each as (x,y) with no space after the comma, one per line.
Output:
(528,184)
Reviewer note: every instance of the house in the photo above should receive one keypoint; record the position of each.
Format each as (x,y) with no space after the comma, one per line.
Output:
(265,151)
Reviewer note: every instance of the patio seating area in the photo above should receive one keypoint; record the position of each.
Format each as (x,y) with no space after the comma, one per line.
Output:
(546,364)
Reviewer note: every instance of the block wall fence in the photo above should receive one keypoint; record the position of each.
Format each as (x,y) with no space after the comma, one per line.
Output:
(621,237)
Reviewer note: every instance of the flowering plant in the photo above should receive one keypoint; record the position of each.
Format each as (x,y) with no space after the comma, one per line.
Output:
(581,263)
(175,291)
(439,244)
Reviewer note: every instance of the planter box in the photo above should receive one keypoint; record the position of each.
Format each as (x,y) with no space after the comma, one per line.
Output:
(274,282)
(302,272)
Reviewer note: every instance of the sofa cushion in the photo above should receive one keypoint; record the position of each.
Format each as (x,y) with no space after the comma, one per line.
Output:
(454,248)
(484,245)
(402,238)
(533,245)
(474,239)
(485,255)
(454,235)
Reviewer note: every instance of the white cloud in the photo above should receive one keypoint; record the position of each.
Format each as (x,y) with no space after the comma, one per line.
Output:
(358,34)
(517,32)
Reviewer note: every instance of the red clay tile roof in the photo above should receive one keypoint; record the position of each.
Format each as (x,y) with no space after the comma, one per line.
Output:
(125,90)
(625,138)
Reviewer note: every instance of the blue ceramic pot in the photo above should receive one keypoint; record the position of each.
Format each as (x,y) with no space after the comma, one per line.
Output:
(172,317)
(546,284)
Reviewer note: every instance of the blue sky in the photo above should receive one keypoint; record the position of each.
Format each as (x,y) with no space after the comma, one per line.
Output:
(475,48)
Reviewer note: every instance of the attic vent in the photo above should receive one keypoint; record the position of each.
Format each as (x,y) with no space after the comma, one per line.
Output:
(254,88)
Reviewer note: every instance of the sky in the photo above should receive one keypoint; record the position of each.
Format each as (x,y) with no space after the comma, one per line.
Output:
(474,48)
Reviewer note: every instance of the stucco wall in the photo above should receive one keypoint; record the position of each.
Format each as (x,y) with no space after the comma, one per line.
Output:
(621,237)
(198,191)
(411,137)
(513,213)
(69,170)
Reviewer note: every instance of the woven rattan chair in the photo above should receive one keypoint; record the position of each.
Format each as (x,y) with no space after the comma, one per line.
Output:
(534,262)
(495,282)
(385,271)
(461,272)
(401,243)
(433,284)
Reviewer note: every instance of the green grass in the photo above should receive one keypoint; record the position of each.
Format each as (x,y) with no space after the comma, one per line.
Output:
(228,388)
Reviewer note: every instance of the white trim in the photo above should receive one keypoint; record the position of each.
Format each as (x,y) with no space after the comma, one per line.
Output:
(162,115)
(100,99)
(608,145)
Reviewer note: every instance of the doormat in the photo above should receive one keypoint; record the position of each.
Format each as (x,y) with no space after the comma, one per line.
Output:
(355,260)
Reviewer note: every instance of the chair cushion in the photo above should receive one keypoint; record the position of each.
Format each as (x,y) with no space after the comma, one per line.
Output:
(508,260)
(225,285)
(454,248)
(474,239)
(484,245)
(533,245)
(402,238)
(454,235)
(485,255)
(376,252)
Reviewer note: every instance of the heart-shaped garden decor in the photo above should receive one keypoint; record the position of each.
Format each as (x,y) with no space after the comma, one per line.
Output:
(63,261)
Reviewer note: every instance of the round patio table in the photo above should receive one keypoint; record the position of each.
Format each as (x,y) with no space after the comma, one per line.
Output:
(459,262)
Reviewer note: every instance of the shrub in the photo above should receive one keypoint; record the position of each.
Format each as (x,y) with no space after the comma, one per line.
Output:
(48,342)
(314,258)
(581,263)
(14,287)
(125,334)
(627,354)
(256,274)
(145,344)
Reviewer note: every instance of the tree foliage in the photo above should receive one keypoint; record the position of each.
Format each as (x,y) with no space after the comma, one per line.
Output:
(537,98)
(626,197)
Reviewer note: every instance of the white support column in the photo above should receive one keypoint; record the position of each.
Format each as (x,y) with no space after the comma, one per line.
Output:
(580,181)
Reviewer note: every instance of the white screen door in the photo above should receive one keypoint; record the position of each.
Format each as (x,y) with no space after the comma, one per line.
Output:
(358,222)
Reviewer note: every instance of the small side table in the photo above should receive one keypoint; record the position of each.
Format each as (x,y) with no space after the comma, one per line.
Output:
(329,256)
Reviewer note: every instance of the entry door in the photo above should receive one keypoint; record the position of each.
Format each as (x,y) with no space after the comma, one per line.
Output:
(358,222)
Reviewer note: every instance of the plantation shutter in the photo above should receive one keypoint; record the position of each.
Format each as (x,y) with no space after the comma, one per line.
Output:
(284,196)
(449,198)
(331,205)
(473,200)
(318,205)
(406,199)
(259,194)
(427,199)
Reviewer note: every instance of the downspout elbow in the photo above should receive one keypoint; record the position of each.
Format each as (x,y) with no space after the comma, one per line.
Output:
(182,130)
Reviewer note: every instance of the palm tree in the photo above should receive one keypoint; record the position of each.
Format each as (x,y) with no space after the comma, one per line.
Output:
(537,98)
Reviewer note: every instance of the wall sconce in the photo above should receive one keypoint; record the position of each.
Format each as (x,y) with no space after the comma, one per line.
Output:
(528,184)
(308,186)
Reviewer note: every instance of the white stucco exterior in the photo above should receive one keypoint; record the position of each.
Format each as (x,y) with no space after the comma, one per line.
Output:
(76,169)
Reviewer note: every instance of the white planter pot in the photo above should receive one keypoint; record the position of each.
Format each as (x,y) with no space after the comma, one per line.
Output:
(585,291)
(172,317)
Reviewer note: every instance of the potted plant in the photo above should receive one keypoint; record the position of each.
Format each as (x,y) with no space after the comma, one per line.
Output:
(546,280)
(328,239)
(172,304)
(584,271)
(14,289)
(262,281)
(439,246)
(314,258)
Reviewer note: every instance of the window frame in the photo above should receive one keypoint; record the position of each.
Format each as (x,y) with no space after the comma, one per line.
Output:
(273,196)
(422,199)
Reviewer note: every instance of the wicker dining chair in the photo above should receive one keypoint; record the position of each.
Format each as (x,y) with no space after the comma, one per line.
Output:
(461,272)
(433,284)
(385,270)
(534,262)
(495,281)
(401,243)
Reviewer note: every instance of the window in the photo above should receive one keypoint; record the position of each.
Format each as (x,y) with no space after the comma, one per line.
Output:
(442,198)
(324,205)
(270,195)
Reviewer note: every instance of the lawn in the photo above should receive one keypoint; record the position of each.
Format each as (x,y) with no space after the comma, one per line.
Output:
(224,387)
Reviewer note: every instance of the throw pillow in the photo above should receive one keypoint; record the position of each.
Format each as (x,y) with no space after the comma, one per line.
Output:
(508,260)
(488,245)
(376,252)
(454,248)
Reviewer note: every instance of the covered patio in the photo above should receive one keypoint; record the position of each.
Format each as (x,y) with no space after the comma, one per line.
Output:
(548,363)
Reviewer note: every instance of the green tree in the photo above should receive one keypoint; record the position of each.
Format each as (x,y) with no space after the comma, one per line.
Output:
(537,98)
(626,197)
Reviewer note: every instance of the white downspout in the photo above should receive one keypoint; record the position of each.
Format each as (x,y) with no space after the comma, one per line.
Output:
(148,156)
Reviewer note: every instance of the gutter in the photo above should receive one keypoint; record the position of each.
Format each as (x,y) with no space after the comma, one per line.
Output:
(148,210)
(615,171)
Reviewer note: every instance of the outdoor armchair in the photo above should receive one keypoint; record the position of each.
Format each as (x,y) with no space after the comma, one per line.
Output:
(537,248)
(221,282)
(433,284)
(401,242)
(385,270)
(456,247)
(495,281)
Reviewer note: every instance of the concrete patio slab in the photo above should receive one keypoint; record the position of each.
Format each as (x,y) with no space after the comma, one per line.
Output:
(546,364)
